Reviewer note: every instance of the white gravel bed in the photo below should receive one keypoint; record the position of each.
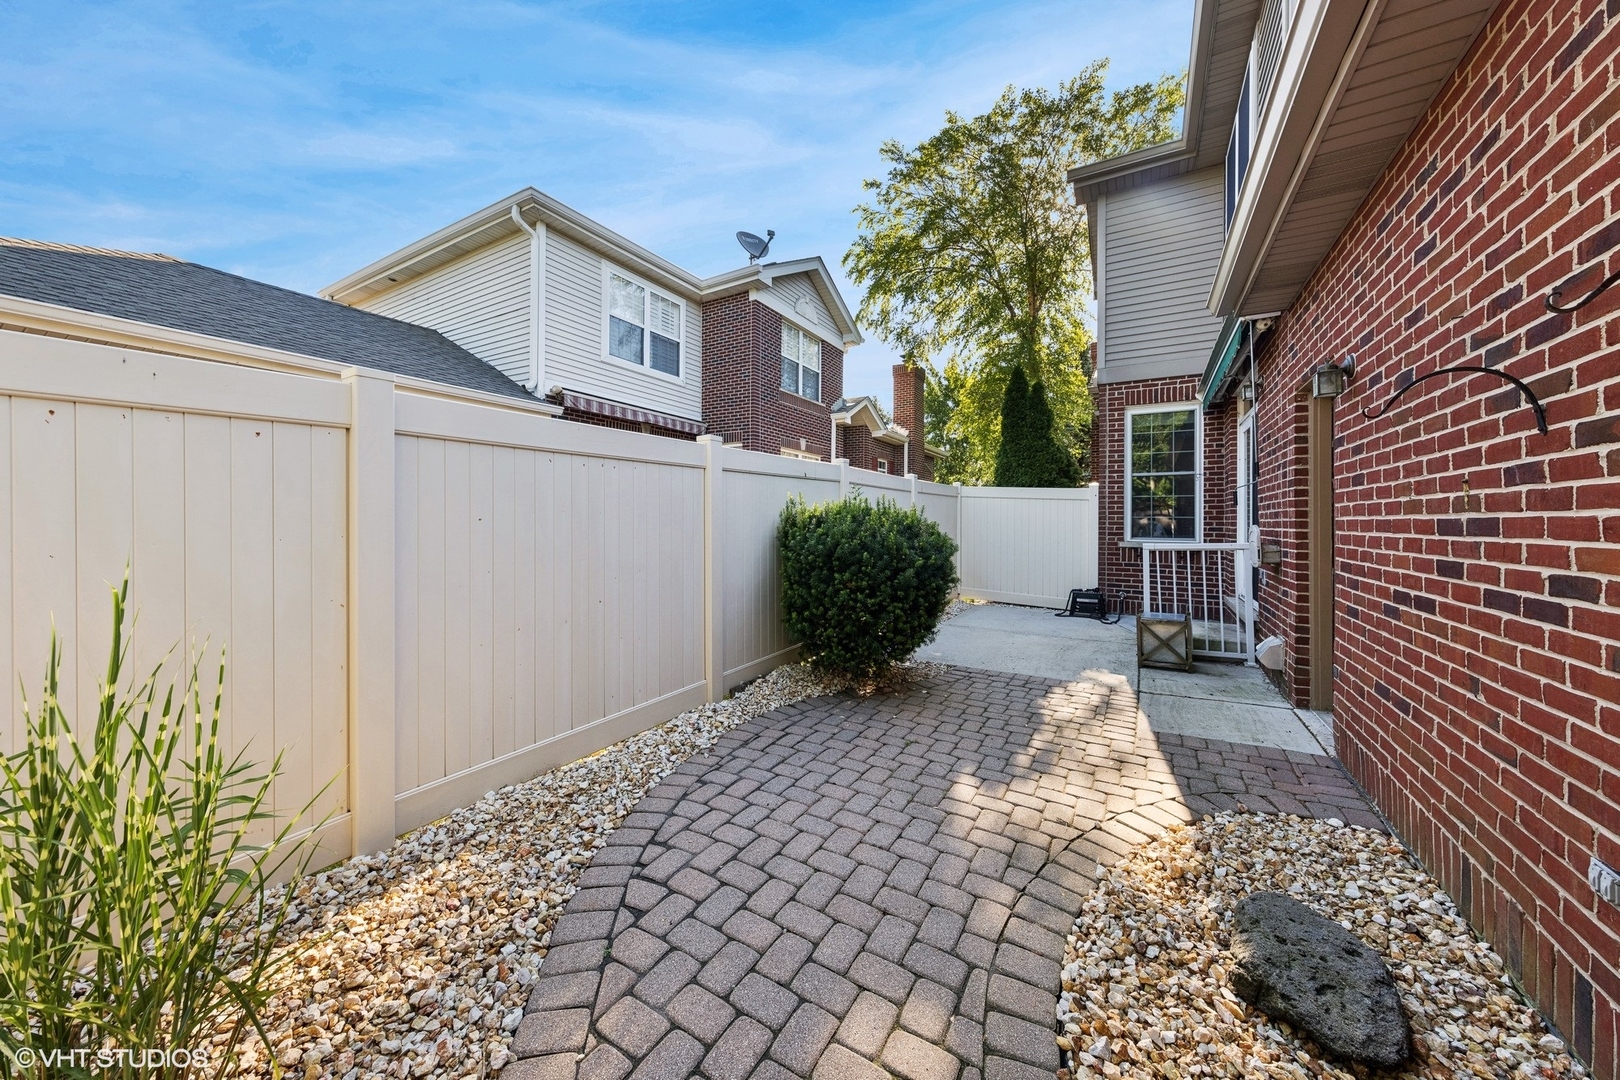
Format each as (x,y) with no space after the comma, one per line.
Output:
(1145,989)
(417,961)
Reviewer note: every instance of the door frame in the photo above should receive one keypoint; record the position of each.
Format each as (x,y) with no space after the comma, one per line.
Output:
(1319,550)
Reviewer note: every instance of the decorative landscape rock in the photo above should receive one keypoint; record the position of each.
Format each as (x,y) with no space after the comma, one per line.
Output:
(1147,984)
(1295,965)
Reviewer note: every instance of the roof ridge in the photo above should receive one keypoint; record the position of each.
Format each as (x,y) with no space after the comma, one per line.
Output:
(81,249)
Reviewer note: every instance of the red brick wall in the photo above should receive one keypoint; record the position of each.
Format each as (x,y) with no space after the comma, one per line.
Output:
(742,374)
(893,456)
(1119,569)
(908,413)
(1478,563)
(855,445)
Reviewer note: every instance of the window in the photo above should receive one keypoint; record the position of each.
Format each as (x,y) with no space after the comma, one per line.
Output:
(1240,145)
(1161,473)
(883,465)
(644,328)
(801,363)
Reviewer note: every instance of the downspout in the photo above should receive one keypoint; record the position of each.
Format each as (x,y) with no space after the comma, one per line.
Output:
(832,446)
(537,301)
(905,456)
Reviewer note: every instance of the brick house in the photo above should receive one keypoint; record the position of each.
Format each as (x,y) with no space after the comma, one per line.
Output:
(612,334)
(1365,195)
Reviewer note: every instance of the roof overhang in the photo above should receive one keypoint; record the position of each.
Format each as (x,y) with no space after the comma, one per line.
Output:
(493,223)
(1353,79)
(757,276)
(861,410)
(1221,33)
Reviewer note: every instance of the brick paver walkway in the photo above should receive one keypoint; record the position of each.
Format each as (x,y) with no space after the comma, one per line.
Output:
(861,888)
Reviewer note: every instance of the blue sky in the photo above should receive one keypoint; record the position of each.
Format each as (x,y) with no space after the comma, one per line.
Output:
(294,142)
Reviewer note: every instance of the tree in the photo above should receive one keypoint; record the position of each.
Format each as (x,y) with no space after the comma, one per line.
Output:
(1029,453)
(976,261)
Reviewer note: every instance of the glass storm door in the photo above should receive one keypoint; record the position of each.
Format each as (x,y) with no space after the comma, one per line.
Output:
(1248,516)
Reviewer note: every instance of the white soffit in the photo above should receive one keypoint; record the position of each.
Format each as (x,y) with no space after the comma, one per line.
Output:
(1329,133)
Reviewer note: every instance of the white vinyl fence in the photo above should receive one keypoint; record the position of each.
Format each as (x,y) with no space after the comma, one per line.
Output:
(426,594)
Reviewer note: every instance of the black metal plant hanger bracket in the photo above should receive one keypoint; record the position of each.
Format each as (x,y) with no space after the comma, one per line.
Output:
(1558,294)
(1535,402)
(1541,414)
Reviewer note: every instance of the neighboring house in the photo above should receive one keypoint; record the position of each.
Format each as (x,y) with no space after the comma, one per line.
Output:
(1407,182)
(613,334)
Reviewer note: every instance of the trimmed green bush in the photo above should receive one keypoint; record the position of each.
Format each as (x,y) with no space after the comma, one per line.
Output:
(863,585)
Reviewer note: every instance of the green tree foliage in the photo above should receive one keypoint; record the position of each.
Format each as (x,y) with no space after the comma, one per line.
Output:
(976,261)
(1029,454)
(863,585)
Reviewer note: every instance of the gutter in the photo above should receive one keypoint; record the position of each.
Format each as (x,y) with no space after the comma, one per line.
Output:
(537,300)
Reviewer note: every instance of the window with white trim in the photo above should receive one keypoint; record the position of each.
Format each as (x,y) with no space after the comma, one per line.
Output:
(883,464)
(801,363)
(1162,473)
(644,326)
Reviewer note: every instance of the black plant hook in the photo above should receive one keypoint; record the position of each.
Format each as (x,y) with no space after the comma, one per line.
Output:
(1558,294)
(1535,402)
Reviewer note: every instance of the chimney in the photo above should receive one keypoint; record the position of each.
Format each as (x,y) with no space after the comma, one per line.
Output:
(908,413)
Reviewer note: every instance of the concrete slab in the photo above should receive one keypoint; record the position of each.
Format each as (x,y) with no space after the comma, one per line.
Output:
(1229,721)
(1033,641)
(1216,682)
(1229,702)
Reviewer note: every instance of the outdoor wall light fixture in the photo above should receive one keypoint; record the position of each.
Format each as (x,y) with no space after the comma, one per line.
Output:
(1331,380)
(1529,394)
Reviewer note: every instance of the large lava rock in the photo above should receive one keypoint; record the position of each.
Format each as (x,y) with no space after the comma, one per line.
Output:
(1294,965)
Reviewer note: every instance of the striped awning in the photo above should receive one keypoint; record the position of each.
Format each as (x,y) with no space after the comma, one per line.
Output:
(1220,360)
(620,411)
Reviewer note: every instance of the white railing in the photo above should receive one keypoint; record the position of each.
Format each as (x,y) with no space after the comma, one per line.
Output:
(1211,583)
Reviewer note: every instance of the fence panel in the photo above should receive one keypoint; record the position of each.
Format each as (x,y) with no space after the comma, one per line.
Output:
(1028,545)
(223,489)
(940,504)
(549,596)
(450,595)
(876,486)
(754,488)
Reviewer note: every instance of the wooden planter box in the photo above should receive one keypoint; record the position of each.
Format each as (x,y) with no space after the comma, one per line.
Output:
(1164,640)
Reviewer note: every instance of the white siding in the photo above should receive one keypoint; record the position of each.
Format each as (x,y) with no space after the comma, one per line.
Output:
(790,290)
(1159,248)
(480,302)
(575,353)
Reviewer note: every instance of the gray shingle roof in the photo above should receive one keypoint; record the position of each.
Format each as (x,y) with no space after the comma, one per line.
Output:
(185,296)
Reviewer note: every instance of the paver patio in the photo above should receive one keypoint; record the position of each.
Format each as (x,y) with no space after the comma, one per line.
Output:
(866,887)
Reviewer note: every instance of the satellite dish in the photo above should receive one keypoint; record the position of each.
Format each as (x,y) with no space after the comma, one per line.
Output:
(754,245)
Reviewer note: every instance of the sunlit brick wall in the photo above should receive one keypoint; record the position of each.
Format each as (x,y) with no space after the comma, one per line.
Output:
(1476,693)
